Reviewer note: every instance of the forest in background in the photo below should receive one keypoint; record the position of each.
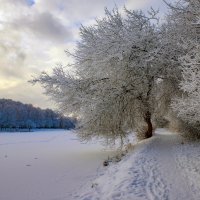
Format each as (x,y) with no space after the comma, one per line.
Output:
(16,116)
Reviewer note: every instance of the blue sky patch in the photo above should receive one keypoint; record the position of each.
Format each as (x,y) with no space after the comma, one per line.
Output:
(30,2)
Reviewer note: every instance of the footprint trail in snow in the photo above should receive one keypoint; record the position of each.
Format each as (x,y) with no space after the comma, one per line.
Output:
(155,170)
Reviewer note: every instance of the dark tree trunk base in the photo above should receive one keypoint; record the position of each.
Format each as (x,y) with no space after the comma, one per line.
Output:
(149,132)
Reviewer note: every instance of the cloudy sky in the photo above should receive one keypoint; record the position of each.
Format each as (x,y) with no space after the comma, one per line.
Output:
(35,33)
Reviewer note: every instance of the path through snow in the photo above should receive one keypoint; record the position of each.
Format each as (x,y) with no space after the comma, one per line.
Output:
(160,168)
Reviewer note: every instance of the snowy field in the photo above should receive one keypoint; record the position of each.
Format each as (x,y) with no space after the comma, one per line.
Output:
(46,165)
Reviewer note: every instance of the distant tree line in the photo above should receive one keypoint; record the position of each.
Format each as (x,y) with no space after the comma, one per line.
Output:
(16,115)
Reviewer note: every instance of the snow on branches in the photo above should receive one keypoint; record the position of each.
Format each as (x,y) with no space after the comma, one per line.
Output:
(113,89)
(127,69)
(187,106)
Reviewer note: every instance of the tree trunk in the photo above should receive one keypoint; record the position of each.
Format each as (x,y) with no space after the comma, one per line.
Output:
(147,119)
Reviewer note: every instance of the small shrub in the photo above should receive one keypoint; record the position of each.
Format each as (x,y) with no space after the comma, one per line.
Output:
(105,163)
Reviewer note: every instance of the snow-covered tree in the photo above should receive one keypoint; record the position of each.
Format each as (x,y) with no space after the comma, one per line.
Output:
(184,32)
(179,35)
(186,15)
(117,72)
(187,106)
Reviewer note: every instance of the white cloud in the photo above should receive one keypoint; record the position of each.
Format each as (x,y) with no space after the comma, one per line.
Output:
(45,26)
(33,39)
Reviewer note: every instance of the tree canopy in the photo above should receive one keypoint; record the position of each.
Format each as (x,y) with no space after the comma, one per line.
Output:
(127,70)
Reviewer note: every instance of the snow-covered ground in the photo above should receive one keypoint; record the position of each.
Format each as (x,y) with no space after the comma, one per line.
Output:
(46,165)
(161,168)
(56,166)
